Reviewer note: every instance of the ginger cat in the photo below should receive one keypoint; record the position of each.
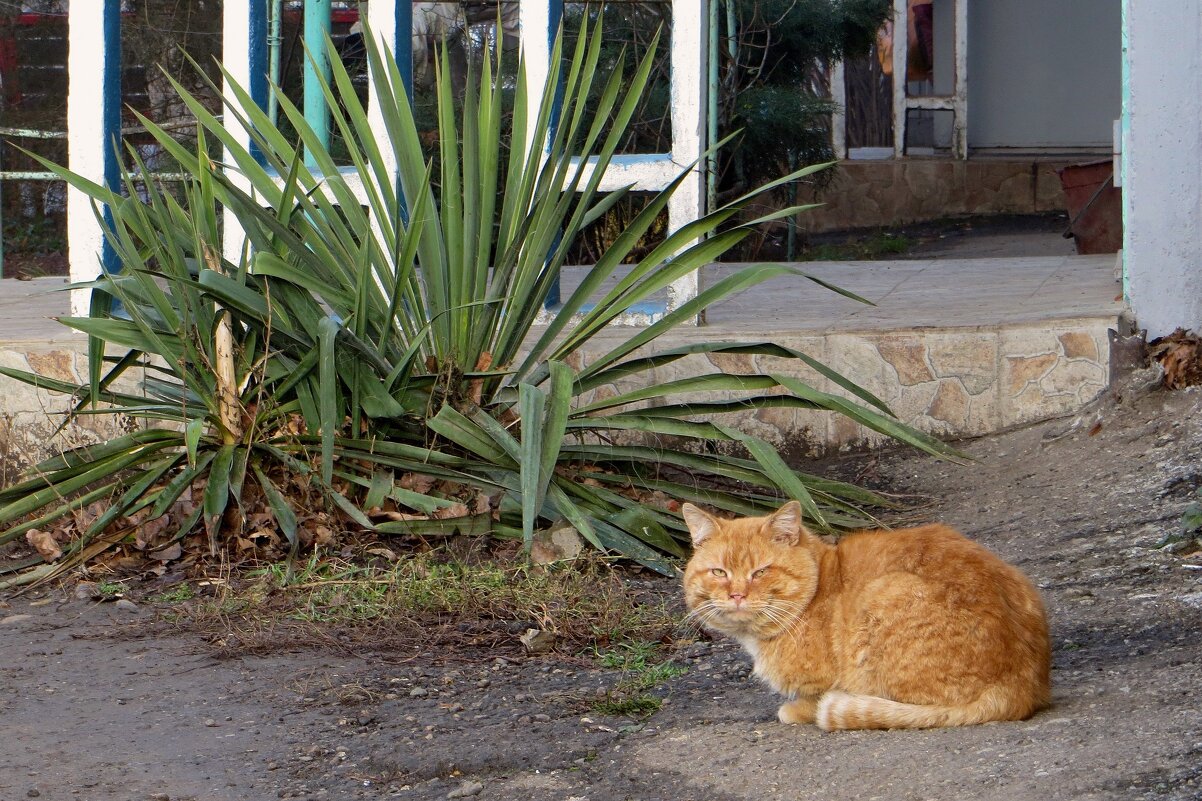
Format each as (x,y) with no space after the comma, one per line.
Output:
(913,628)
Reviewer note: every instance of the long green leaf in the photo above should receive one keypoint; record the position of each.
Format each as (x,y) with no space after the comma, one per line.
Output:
(217,493)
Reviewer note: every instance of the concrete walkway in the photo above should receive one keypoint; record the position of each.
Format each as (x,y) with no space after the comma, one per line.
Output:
(908,294)
(918,294)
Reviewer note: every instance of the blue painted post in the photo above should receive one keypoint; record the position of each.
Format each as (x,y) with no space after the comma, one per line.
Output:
(402,44)
(317,28)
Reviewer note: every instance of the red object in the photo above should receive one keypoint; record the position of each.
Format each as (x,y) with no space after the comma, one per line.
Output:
(1095,206)
(8,70)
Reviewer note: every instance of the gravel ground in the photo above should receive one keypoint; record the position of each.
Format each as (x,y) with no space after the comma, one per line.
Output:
(101,702)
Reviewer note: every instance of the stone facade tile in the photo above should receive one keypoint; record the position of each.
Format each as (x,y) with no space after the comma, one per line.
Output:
(970,357)
(1020,371)
(1078,345)
(951,406)
(908,356)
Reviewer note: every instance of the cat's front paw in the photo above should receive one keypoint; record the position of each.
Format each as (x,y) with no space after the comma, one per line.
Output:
(800,711)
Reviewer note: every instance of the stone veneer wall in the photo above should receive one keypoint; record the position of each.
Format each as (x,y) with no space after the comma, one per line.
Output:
(30,417)
(870,194)
(946,381)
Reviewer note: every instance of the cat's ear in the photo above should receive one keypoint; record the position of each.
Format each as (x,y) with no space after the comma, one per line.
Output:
(784,526)
(701,525)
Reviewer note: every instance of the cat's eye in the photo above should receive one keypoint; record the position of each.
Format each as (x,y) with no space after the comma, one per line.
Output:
(718,572)
(759,572)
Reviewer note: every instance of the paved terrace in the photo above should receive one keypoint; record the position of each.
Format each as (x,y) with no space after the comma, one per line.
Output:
(956,346)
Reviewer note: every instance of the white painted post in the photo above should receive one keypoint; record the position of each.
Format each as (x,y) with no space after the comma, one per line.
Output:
(93,121)
(960,92)
(536,35)
(901,45)
(838,83)
(1162,163)
(390,22)
(237,49)
(688,70)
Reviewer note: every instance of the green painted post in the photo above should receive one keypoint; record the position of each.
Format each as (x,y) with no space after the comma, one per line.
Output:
(317,28)
(275,43)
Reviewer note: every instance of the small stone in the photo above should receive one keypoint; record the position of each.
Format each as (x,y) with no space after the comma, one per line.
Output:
(210,722)
(538,641)
(466,790)
(418,692)
(524,720)
(556,545)
(160,797)
(541,718)
(86,591)
(125,605)
(33,792)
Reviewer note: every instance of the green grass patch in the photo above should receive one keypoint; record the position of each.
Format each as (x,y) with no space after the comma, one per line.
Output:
(644,672)
(108,590)
(588,607)
(867,247)
(639,706)
(178,594)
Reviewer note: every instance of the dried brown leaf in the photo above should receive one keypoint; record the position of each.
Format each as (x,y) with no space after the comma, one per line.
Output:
(1180,354)
(168,554)
(45,544)
(417,482)
(454,510)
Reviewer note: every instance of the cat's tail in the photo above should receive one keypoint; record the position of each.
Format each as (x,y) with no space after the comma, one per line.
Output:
(839,710)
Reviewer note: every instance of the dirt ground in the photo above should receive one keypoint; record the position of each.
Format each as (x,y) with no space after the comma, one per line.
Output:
(102,703)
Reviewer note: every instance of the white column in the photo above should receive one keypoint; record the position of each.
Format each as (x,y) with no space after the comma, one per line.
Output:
(536,36)
(236,54)
(93,120)
(390,21)
(901,44)
(838,84)
(960,93)
(1162,163)
(688,69)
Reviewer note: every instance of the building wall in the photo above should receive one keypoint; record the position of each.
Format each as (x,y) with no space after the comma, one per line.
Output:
(869,194)
(1162,163)
(1044,73)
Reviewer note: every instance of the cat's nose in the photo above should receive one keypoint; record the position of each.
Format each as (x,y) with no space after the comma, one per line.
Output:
(737,597)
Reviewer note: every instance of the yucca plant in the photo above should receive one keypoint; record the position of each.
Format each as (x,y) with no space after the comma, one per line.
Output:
(367,336)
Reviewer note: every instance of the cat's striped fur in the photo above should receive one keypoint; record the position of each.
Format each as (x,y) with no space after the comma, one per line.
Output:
(914,628)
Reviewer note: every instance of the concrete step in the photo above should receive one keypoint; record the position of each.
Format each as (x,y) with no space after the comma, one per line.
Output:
(955,347)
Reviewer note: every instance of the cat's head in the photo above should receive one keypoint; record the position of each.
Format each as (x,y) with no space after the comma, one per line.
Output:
(751,576)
